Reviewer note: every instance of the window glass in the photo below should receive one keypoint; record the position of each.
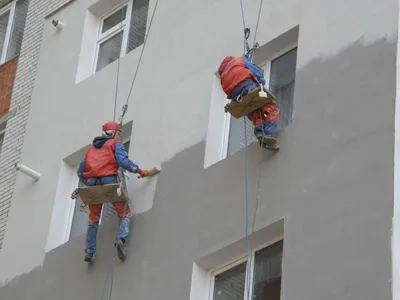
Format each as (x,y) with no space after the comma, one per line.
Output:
(109,51)
(268,272)
(114,19)
(3,29)
(230,284)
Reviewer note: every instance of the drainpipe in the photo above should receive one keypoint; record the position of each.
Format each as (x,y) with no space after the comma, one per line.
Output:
(28,171)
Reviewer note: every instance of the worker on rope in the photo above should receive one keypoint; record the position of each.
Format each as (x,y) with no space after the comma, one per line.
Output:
(100,166)
(239,77)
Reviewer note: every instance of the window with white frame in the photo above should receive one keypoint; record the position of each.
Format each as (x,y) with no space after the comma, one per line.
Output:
(279,73)
(263,269)
(12,24)
(120,31)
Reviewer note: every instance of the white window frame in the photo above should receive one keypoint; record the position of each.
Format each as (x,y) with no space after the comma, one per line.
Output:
(237,261)
(105,36)
(266,66)
(71,210)
(10,7)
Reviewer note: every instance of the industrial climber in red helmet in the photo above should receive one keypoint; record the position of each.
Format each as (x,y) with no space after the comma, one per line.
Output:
(100,166)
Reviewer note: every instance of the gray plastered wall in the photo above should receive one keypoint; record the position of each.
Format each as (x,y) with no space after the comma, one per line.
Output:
(331,182)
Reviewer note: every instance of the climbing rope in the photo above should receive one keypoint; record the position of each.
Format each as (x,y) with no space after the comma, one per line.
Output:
(125,107)
(248,52)
(258,22)
(247,208)
(119,62)
(242,10)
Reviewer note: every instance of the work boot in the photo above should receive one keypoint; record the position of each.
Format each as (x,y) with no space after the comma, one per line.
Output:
(89,257)
(267,140)
(121,249)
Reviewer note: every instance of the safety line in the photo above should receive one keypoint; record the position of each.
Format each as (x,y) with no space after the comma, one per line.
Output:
(248,271)
(127,201)
(247,208)
(258,21)
(119,61)
(241,8)
(140,59)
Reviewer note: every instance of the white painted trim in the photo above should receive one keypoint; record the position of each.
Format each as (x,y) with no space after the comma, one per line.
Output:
(58,233)
(71,210)
(103,37)
(214,151)
(125,37)
(8,8)
(200,283)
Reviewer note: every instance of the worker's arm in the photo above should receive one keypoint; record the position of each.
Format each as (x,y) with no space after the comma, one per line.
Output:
(122,159)
(81,169)
(257,71)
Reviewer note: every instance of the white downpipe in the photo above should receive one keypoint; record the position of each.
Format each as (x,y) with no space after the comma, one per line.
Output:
(28,171)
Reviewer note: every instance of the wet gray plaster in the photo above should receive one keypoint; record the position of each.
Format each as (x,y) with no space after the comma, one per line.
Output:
(332,182)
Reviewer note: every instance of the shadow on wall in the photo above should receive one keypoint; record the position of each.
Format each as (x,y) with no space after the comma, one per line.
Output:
(186,193)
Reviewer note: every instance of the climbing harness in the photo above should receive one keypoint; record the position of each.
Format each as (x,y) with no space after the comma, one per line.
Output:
(100,194)
(247,102)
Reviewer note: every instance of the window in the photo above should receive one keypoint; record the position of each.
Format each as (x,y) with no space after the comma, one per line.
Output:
(120,31)
(12,24)
(264,270)
(280,73)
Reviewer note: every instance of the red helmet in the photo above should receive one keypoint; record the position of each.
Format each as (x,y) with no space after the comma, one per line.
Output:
(111,126)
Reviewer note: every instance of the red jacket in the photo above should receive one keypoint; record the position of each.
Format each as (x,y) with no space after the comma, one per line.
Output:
(100,161)
(233,72)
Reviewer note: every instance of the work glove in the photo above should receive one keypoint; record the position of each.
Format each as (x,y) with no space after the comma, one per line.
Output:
(143,173)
